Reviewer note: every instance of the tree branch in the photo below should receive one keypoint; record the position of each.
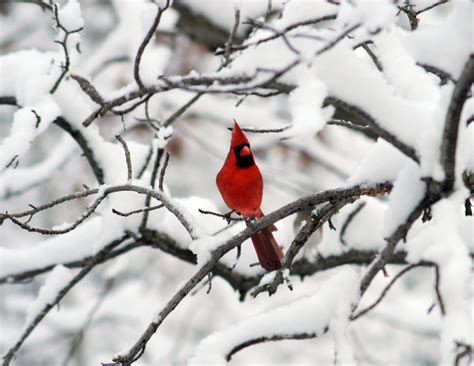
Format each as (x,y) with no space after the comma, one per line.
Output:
(451,126)
(96,259)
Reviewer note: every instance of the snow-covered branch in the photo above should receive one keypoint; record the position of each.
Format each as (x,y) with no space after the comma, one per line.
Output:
(358,115)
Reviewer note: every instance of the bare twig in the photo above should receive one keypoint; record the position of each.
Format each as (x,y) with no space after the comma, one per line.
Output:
(273,338)
(385,290)
(226,217)
(348,220)
(126,214)
(232,34)
(88,88)
(154,173)
(163,171)
(438,293)
(284,31)
(146,40)
(63,44)
(127,157)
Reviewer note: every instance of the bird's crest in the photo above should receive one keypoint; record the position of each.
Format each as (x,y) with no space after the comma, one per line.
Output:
(238,137)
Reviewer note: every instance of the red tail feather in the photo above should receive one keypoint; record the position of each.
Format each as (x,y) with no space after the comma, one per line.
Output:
(268,252)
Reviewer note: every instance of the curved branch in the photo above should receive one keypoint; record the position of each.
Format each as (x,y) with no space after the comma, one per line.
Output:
(146,40)
(160,196)
(276,337)
(451,126)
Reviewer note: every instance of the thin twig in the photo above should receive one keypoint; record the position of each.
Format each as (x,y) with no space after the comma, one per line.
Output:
(63,44)
(146,40)
(80,335)
(385,290)
(128,160)
(163,171)
(232,34)
(126,214)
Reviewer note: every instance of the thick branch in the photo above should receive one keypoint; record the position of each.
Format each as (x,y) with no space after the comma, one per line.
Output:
(370,121)
(451,126)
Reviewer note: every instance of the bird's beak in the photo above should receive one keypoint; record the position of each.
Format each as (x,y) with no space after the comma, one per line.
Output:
(245,151)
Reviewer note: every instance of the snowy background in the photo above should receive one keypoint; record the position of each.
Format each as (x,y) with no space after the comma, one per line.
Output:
(370,98)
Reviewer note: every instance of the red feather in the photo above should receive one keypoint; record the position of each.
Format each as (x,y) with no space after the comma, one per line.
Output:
(240,183)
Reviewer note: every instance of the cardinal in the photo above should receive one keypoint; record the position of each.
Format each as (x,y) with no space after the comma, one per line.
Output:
(240,183)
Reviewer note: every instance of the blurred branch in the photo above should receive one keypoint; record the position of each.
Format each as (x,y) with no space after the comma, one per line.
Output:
(281,33)
(230,40)
(96,259)
(76,341)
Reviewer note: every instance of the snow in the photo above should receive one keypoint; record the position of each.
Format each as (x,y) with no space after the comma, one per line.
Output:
(408,79)
(403,99)
(305,103)
(203,225)
(70,16)
(455,35)
(381,163)
(18,180)
(25,129)
(442,244)
(320,309)
(223,15)
(407,192)
(406,118)
(301,11)
(56,280)
(204,246)
(68,247)
(362,11)
(162,137)
(23,74)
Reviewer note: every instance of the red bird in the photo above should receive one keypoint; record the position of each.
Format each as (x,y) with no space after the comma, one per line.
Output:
(241,186)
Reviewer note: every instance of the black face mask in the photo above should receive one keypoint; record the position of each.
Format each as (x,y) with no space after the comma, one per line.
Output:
(243,161)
